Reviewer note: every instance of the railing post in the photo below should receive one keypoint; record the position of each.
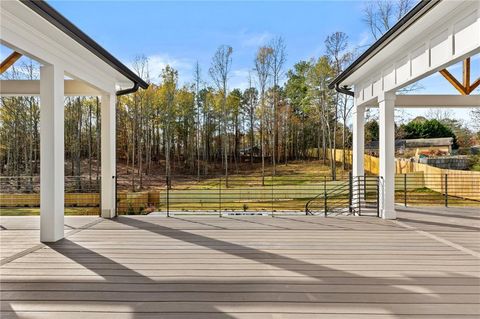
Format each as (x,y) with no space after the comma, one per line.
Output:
(272,195)
(405,189)
(446,190)
(350,191)
(364,197)
(220,197)
(378,196)
(168,196)
(325,203)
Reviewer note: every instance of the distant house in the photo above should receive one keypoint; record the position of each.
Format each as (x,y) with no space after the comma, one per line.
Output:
(247,153)
(416,147)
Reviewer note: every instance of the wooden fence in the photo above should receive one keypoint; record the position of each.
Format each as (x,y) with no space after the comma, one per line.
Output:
(462,184)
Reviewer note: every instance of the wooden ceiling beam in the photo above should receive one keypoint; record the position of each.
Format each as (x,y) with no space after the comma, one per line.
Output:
(9,61)
(474,85)
(466,87)
(466,75)
(453,81)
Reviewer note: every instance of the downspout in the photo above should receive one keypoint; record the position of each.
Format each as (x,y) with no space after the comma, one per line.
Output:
(133,89)
(344,90)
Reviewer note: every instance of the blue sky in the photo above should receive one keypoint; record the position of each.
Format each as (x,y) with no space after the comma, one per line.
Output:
(179,33)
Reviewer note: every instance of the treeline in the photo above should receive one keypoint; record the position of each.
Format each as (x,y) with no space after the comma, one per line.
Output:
(204,127)
(200,127)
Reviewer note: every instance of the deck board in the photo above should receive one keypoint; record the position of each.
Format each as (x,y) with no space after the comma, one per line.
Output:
(245,267)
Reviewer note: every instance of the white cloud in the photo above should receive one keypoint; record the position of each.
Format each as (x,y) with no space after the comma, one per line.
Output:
(157,62)
(248,39)
(239,79)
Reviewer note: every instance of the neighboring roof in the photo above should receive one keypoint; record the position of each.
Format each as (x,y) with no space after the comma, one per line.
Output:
(426,142)
(417,142)
(58,20)
(413,15)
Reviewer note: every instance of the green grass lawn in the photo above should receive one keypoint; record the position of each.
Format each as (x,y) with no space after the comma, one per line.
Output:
(289,190)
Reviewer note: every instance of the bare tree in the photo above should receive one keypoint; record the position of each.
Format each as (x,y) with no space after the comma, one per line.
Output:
(475,116)
(278,59)
(197,78)
(219,71)
(381,15)
(336,46)
(170,80)
(250,97)
(263,62)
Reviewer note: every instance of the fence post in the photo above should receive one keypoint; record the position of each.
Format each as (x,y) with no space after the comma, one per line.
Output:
(168,196)
(272,196)
(446,190)
(220,197)
(405,189)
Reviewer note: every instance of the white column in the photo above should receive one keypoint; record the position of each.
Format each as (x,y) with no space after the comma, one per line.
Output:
(51,153)
(108,155)
(358,156)
(358,141)
(387,155)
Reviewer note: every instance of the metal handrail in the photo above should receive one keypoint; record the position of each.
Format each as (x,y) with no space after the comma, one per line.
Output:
(334,191)
(350,205)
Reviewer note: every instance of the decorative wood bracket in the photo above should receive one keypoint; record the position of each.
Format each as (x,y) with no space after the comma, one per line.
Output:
(465,88)
(9,61)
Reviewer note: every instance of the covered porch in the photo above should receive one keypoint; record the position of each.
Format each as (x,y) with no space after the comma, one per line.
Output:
(71,64)
(432,37)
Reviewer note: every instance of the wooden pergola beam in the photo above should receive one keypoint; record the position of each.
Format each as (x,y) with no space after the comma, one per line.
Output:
(475,85)
(453,81)
(9,61)
(465,88)
(466,75)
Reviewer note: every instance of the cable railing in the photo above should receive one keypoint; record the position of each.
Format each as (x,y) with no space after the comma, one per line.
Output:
(237,194)
(423,189)
(310,194)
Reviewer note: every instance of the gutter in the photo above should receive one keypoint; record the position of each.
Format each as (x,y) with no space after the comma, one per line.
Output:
(128,91)
(344,89)
(63,24)
(404,23)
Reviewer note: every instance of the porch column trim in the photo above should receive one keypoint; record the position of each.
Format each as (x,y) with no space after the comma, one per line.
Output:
(358,166)
(108,155)
(51,153)
(387,154)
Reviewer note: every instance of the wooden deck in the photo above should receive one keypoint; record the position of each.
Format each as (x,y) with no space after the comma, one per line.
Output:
(425,265)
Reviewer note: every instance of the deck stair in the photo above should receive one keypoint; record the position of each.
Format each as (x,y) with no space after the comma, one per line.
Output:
(356,196)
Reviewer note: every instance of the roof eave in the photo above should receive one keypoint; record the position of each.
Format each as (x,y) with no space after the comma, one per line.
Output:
(58,20)
(413,15)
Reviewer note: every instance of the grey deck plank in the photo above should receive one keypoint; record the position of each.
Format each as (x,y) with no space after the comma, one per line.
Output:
(245,267)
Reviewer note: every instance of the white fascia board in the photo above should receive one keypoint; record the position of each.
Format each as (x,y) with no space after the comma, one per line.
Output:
(431,101)
(30,34)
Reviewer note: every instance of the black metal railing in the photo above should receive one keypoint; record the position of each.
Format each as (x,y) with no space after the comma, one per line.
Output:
(423,189)
(312,194)
(359,195)
(247,194)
